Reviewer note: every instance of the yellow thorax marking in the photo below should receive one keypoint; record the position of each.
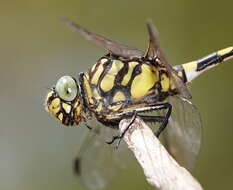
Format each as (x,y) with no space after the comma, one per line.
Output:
(96,94)
(99,107)
(119,96)
(88,89)
(114,107)
(143,82)
(108,81)
(165,82)
(102,61)
(97,74)
(128,75)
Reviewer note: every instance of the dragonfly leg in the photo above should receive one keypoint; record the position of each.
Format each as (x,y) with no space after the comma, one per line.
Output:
(88,126)
(166,118)
(148,118)
(162,119)
(121,135)
(134,114)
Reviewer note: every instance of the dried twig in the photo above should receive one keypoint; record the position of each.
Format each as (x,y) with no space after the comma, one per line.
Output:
(160,169)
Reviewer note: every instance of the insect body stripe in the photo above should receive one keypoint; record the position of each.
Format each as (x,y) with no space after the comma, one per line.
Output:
(97,73)
(143,82)
(107,82)
(193,69)
(226,53)
(127,76)
(208,61)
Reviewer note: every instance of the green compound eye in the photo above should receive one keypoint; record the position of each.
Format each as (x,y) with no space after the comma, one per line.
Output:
(66,88)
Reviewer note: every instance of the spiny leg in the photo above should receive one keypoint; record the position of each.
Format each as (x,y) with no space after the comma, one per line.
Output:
(121,135)
(162,119)
(88,126)
(134,114)
(165,122)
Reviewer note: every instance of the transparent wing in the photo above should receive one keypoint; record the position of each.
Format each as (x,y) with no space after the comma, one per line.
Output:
(113,47)
(97,163)
(183,133)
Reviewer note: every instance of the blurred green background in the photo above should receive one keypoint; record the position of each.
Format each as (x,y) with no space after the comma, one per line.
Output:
(36,152)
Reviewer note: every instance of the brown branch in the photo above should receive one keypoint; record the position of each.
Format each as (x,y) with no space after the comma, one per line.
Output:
(160,169)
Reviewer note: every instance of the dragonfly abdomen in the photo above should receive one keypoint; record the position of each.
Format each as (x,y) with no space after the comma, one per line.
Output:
(191,70)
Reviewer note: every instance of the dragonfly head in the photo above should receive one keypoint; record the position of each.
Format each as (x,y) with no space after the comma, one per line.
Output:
(63,101)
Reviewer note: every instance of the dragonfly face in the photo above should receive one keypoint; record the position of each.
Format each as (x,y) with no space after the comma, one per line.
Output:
(63,101)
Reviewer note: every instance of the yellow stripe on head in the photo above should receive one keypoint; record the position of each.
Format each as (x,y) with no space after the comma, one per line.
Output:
(55,106)
(60,116)
(68,112)
(66,107)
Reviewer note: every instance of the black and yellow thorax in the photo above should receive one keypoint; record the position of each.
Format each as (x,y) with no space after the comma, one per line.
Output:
(117,85)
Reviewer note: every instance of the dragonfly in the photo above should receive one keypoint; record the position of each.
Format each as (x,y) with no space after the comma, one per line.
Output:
(130,83)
